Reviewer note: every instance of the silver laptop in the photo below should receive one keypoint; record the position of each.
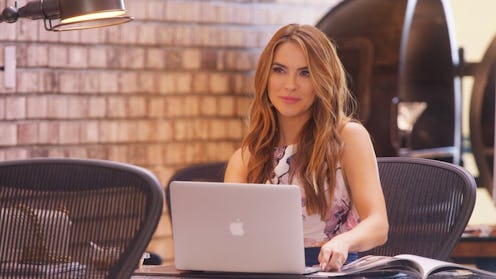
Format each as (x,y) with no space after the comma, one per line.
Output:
(235,227)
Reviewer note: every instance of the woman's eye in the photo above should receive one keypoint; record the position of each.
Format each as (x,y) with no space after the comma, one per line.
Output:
(277,69)
(305,73)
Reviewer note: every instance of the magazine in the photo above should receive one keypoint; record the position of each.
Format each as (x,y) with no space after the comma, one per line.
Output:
(413,265)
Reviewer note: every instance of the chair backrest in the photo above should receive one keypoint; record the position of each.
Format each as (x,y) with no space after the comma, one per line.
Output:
(429,203)
(211,171)
(75,218)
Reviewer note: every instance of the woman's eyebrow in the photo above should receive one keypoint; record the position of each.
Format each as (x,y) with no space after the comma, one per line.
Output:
(278,64)
(284,66)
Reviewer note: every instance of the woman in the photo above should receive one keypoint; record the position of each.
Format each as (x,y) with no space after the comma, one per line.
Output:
(301,132)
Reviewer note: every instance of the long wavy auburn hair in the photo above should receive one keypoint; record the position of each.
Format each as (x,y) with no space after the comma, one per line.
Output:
(319,148)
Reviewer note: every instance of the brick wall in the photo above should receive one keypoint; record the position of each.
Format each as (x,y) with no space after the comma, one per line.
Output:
(170,88)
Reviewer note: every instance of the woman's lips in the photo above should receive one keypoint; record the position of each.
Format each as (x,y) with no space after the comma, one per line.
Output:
(289,100)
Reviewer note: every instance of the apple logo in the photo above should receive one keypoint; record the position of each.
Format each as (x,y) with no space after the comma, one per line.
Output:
(236,228)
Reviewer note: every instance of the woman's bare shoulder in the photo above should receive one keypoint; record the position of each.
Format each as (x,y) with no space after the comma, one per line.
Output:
(236,170)
(357,143)
(241,155)
(353,129)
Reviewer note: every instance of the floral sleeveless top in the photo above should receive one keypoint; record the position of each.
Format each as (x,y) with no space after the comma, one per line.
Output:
(343,216)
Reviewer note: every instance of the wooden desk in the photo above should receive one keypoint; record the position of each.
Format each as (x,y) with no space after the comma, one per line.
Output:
(475,247)
(479,239)
(478,251)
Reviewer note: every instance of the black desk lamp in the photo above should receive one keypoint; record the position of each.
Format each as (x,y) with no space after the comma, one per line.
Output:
(72,14)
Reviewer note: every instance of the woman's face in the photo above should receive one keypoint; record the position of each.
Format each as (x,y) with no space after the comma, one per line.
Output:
(290,87)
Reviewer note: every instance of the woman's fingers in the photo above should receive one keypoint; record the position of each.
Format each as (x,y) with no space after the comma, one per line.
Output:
(331,260)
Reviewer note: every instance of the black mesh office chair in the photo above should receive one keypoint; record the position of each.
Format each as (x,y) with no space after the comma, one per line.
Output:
(211,171)
(429,204)
(75,218)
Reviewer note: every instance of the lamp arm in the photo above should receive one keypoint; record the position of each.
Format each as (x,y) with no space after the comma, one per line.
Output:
(40,9)
(9,14)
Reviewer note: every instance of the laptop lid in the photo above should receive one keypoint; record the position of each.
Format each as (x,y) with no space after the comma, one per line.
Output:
(236,227)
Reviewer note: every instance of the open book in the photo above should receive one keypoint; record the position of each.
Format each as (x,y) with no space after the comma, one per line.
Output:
(414,266)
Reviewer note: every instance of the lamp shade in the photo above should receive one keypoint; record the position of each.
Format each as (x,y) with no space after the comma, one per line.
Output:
(90,13)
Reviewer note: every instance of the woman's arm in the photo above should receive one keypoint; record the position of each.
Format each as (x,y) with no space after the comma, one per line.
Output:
(361,173)
(236,170)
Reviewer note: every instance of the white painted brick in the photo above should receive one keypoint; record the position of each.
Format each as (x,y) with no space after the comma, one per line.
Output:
(8,136)
(36,107)
(15,108)
(58,56)
(78,57)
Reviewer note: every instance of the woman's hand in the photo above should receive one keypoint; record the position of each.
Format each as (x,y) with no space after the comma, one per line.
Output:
(333,255)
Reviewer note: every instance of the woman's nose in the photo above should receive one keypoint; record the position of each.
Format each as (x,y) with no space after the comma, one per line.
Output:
(290,82)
